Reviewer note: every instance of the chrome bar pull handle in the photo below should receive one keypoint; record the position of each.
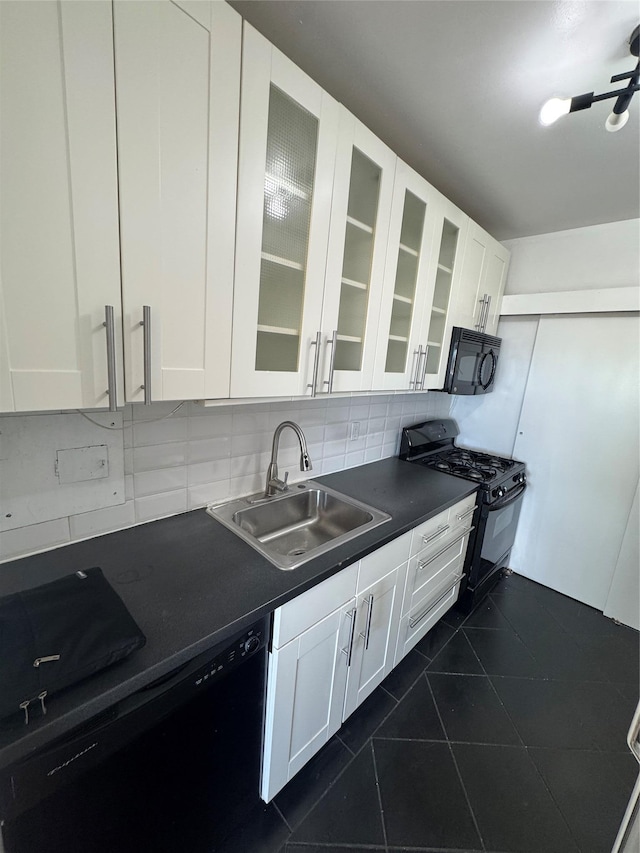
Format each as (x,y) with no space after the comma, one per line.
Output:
(417,619)
(462,515)
(146,328)
(486,313)
(423,375)
(348,650)
(442,529)
(478,325)
(417,355)
(332,342)
(422,564)
(111,358)
(367,630)
(316,364)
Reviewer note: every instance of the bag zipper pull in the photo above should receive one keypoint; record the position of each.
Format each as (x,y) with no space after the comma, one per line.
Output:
(46,659)
(41,697)
(25,707)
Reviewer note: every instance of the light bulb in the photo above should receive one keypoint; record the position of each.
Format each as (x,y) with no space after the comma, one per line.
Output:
(616,121)
(553,110)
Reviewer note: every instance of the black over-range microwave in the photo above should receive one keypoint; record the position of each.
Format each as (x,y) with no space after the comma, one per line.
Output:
(473,359)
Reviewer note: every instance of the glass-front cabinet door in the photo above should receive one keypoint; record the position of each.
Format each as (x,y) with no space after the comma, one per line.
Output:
(362,194)
(288,135)
(408,282)
(450,236)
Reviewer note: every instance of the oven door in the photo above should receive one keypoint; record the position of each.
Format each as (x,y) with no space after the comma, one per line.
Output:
(500,525)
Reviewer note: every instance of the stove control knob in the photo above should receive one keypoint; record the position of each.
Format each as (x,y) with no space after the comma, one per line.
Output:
(500,492)
(520,478)
(251,644)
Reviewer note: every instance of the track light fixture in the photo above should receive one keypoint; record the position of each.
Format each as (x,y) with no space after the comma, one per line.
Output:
(557,107)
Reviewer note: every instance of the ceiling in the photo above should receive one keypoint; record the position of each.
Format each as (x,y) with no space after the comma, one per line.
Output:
(455,87)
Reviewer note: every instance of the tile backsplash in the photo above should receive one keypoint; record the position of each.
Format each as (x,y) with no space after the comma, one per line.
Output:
(182,460)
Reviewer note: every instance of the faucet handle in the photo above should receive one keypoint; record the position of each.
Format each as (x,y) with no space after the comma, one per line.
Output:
(286,481)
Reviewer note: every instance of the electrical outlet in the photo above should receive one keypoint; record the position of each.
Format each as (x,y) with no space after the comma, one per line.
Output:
(354,433)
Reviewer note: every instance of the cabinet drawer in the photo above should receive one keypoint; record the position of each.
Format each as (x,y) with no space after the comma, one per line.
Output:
(421,618)
(430,531)
(380,562)
(302,612)
(426,576)
(462,512)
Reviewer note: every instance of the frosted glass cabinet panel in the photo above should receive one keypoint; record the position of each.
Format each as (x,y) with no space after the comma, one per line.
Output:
(178,87)
(59,224)
(362,194)
(451,231)
(409,282)
(288,135)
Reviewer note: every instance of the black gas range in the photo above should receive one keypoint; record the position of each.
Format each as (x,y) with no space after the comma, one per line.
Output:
(502,483)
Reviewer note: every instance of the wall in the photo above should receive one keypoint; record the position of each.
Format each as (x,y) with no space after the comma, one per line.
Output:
(201,455)
(581,259)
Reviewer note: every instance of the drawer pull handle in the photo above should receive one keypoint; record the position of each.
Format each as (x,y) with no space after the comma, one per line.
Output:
(463,515)
(348,650)
(417,619)
(367,630)
(442,529)
(424,563)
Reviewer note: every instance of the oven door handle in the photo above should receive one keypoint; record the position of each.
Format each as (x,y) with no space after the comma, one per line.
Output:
(511,498)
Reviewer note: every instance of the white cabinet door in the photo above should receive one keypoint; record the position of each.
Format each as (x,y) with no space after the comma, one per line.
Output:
(305,696)
(288,136)
(450,234)
(177,79)
(409,280)
(59,225)
(375,638)
(484,275)
(361,210)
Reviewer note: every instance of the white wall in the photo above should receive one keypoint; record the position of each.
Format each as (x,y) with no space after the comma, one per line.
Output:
(203,455)
(581,259)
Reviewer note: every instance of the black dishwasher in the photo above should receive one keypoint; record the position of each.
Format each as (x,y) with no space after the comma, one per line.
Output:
(173,767)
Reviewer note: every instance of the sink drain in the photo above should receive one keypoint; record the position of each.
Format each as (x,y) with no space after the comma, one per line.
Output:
(297,552)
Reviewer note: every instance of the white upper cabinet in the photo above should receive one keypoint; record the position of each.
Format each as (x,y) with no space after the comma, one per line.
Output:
(484,275)
(360,216)
(178,85)
(408,281)
(59,221)
(449,240)
(288,137)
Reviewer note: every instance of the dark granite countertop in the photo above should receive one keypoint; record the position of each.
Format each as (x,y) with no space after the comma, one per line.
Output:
(190,584)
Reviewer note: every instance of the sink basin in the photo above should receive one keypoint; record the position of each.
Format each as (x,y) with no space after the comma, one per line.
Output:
(308,520)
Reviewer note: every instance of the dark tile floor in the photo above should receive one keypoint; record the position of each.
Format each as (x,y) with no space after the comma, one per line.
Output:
(503,731)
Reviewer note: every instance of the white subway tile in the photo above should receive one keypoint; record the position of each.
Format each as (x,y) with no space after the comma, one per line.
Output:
(253,463)
(378,410)
(102,520)
(213,423)
(127,436)
(159,432)
(333,463)
(337,414)
(159,456)
(248,422)
(128,487)
(336,448)
(336,432)
(359,413)
(374,440)
(210,448)
(372,453)
(208,472)
(159,410)
(158,506)
(128,461)
(247,485)
(208,493)
(245,445)
(376,425)
(34,537)
(390,448)
(157,482)
(353,459)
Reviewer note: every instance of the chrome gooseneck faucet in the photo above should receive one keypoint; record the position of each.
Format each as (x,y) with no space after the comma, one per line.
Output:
(274,484)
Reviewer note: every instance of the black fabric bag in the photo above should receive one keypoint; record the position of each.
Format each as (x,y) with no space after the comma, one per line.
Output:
(57,634)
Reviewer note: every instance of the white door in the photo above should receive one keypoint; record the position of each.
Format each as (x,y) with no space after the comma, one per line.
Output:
(288,135)
(578,435)
(408,283)
(623,599)
(375,638)
(59,228)
(450,236)
(177,78)
(483,278)
(361,209)
(305,697)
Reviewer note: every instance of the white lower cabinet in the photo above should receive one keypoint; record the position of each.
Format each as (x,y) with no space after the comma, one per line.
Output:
(334,644)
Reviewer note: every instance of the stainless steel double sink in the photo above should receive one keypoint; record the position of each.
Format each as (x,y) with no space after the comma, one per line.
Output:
(291,528)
